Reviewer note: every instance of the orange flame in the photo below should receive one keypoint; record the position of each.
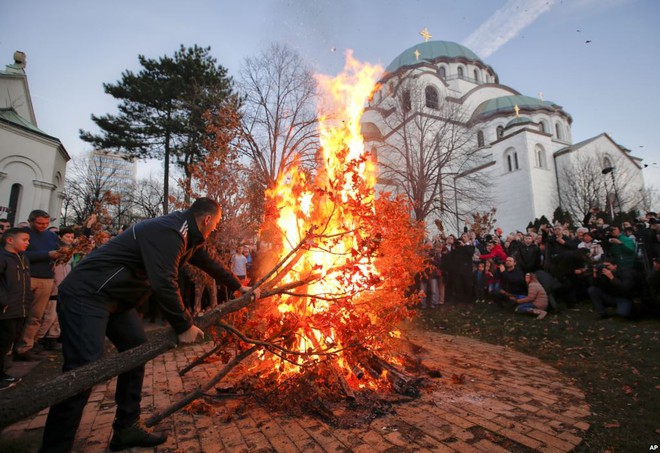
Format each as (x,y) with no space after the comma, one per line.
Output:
(343,185)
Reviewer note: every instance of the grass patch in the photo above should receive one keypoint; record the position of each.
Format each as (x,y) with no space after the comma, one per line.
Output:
(615,362)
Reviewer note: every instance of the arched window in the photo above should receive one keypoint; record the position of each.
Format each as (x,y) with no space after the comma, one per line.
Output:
(607,162)
(480,139)
(540,157)
(405,101)
(476,75)
(442,72)
(14,201)
(431,97)
(500,131)
(542,126)
(558,131)
(511,160)
(460,72)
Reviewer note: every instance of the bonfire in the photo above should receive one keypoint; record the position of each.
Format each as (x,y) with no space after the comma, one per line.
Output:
(350,256)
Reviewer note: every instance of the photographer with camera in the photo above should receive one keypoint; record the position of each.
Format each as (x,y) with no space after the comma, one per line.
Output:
(613,286)
(621,248)
(556,243)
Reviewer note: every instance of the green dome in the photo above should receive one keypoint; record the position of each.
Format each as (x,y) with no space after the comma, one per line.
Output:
(519,120)
(430,51)
(506,104)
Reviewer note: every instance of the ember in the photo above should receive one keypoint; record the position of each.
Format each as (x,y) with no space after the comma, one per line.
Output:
(334,336)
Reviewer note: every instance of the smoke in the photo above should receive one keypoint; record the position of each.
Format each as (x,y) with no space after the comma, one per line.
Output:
(505,24)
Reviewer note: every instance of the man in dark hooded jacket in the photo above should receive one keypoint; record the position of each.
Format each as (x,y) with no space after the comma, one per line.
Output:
(98,299)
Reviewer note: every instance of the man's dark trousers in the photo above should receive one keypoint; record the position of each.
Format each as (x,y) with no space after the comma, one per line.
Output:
(84,325)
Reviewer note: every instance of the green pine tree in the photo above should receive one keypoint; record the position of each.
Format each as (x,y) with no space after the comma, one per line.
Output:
(162,107)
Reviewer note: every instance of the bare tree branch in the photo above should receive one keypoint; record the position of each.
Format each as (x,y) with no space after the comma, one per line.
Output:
(279,119)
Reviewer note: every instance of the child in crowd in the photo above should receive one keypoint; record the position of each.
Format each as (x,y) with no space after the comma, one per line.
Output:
(15,294)
(492,283)
(480,283)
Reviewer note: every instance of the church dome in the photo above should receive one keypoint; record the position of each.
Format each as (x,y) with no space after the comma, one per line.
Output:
(431,51)
(519,120)
(507,104)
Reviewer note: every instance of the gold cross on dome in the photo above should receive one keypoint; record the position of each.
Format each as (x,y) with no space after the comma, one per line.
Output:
(425,34)
(417,54)
(517,109)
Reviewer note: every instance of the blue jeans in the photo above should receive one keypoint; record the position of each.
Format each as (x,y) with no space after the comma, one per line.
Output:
(84,327)
(601,299)
(525,308)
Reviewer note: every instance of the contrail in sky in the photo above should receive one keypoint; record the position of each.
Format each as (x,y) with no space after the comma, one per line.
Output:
(514,16)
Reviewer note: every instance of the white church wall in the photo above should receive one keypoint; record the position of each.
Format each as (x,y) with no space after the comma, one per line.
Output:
(543,180)
(513,198)
(32,162)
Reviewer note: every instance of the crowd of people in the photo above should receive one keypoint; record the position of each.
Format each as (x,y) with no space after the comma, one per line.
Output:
(613,266)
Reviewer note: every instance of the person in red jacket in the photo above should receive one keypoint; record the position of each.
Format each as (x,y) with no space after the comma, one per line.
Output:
(495,252)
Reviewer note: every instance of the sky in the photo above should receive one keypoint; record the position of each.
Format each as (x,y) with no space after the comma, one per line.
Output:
(598,59)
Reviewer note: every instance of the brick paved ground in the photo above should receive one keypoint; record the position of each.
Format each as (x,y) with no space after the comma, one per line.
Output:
(490,399)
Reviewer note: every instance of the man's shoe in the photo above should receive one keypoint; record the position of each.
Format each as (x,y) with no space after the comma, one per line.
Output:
(50,344)
(7,381)
(28,356)
(137,435)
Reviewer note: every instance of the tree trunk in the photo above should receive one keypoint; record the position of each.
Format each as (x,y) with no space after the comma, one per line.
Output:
(166,175)
(23,402)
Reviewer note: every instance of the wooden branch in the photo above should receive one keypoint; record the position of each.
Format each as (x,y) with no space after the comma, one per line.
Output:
(281,263)
(350,394)
(401,382)
(189,398)
(22,402)
(199,360)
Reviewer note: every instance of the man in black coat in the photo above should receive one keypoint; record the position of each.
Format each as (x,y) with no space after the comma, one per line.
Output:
(528,255)
(556,243)
(99,298)
(613,286)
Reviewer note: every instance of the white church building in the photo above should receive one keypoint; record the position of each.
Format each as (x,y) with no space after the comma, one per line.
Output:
(32,162)
(521,146)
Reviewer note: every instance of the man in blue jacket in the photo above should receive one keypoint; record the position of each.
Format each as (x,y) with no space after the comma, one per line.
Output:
(43,250)
(99,298)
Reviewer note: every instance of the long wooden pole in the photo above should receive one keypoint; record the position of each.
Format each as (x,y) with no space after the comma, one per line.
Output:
(20,403)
